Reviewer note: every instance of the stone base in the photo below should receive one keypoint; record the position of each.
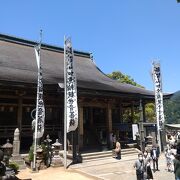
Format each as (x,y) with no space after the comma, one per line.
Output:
(18,159)
(40,165)
(56,161)
(34,170)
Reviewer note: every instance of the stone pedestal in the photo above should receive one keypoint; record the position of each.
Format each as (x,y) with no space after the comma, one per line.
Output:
(18,159)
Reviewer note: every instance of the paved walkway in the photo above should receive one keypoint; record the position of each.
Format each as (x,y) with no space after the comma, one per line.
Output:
(107,169)
(53,174)
(112,169)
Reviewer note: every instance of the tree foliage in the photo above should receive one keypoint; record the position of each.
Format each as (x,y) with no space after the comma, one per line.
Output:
(123,78)
(172,109)
(150,112)
(150,107)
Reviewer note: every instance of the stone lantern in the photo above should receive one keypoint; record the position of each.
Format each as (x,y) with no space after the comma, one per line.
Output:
(7,148)
(149,140)
(56,159)
(40,158)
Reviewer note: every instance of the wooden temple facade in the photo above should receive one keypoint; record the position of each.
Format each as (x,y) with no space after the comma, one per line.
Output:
(101,100)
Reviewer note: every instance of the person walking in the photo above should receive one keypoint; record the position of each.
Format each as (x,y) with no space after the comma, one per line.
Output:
(147,164)
(177,167)
(155,156)
(140,168)
(172,157)
(168,158)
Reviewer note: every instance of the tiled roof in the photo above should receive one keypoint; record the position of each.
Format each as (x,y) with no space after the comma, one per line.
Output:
(18,64)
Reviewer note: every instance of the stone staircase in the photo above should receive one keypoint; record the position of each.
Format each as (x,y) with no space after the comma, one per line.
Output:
(86,157)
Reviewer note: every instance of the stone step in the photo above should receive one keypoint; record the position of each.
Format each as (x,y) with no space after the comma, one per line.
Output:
(104,156)
(109,158)
(107,154)
(99,156)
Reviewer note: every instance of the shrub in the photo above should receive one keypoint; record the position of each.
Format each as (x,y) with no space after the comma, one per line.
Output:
(14,166)
(31,155)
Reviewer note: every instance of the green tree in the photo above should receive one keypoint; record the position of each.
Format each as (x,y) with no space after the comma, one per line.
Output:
(150,107)
(172,109)
(123,78)
(150,112)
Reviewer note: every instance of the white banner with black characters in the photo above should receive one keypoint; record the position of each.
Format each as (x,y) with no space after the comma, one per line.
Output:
(40,110)
(135,131)
(70,87)
(158,95)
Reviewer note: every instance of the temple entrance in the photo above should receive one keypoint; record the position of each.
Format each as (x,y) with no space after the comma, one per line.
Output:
(94,130)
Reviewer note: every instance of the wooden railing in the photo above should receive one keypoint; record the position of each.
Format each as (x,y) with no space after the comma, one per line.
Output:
(26,130)
(7,131)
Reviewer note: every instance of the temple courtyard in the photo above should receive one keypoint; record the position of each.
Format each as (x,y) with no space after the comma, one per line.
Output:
(107,168)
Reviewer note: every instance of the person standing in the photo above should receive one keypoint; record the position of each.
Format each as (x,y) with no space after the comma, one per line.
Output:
(147,160)
(140,168)
(155,156)
(172,157)
(117,150)
(177,167)
(168,158)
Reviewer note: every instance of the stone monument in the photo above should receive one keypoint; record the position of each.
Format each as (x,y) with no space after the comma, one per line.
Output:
(16,157)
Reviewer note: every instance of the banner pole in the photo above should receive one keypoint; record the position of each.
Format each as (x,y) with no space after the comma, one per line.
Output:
(37,103)
(36,123)
(65,109)
(157,78)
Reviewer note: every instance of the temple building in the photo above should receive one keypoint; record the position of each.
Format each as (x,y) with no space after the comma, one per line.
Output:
(102,101)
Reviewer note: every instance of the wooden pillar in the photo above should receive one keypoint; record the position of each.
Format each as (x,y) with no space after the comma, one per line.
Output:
(91,117)
(121,112)
(144,111)
(109,122)
(81,128)
(132,112)
(109,118)
(19,114)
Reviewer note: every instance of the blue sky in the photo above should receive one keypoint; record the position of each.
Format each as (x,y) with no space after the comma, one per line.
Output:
(123,36)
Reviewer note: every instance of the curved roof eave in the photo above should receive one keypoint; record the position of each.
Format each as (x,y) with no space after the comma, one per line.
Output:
(18,64)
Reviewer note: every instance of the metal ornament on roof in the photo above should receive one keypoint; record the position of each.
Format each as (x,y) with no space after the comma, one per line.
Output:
(158,95)
(70,87)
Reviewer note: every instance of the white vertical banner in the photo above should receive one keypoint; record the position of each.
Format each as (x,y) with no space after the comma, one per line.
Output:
(40,110)
(158,95)
(71,110)
(135,131)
